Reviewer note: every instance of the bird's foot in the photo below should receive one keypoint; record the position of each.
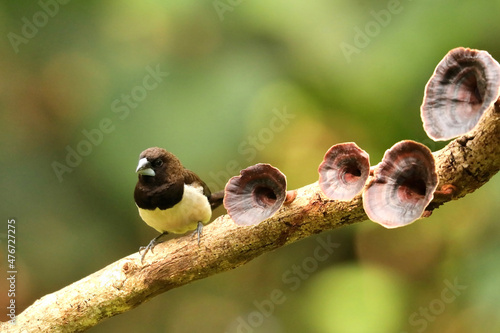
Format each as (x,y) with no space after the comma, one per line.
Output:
(150,246)
(198,231)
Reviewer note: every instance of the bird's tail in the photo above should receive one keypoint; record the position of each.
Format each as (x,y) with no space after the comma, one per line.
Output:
(216,199)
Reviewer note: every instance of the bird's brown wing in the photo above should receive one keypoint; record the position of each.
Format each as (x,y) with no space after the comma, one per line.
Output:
(215,199)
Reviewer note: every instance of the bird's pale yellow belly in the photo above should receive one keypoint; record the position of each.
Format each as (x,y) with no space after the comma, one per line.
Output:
(182,217)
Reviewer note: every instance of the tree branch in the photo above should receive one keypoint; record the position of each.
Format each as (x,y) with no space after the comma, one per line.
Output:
(467,163)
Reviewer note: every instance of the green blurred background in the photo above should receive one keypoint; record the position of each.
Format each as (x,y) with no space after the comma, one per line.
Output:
(232,67)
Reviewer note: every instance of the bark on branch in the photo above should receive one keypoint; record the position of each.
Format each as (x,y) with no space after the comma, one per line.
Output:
(467,163)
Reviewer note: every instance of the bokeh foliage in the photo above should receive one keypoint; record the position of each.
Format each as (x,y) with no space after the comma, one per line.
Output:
(234,66)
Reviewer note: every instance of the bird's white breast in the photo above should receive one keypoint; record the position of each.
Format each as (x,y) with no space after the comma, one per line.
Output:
(184,216)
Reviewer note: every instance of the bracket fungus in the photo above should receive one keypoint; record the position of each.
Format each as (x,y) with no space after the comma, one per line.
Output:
(255,195)
(402,186)
(464,85)
(344,171)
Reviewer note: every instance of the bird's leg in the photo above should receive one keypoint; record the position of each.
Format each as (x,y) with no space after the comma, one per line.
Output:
(198,231)
(150,246)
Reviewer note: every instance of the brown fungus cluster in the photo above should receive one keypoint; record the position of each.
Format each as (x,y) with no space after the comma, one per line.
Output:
(464,85)
(344,171)
(255,195)
(396,191)
(403,184)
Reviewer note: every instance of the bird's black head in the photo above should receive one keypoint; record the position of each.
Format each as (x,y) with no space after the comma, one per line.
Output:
(161,179)
(158,166)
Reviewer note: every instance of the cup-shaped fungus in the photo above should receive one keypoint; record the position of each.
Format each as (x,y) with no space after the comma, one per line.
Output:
(464,85)
(255,195)
(402,186)
(344,171)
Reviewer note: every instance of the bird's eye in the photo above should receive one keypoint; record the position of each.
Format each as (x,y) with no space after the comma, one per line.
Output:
(158,163)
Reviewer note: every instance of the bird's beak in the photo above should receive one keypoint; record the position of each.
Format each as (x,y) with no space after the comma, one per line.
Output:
(144,168)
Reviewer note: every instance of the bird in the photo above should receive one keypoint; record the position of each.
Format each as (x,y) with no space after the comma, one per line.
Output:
(171,198)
